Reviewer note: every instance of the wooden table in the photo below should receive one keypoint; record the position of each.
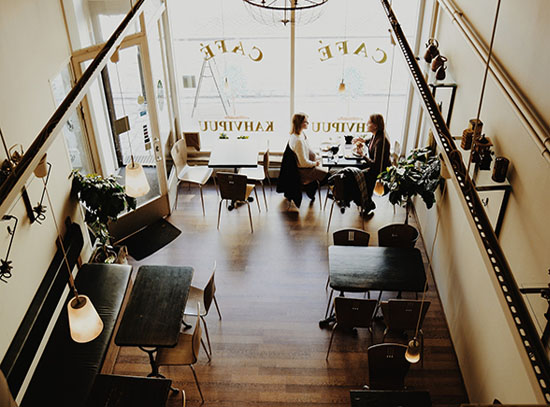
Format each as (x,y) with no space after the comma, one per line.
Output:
(154,313)
(360,269)
(234,154)
(390,398)
(366,268)
(128,391)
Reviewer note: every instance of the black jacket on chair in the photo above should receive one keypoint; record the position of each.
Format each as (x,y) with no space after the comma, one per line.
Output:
(289,182)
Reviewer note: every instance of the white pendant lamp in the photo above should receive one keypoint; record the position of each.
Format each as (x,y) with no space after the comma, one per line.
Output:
(85,323)
(413,350)
(135,182)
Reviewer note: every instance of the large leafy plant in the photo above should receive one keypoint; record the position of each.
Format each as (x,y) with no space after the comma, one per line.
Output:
(103,199)
(417,174)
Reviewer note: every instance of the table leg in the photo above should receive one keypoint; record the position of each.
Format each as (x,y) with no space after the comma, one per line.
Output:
(154,367)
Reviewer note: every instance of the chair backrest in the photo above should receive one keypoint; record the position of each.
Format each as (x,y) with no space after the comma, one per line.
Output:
(397,235)
(209,289)
(179,154)
(351,237)
(197,335)
(354,312)
(338,189)
(232,186)
(403,315)
(387,366)
(266,163)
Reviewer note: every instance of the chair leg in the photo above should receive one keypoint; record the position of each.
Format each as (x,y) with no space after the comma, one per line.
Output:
(202,201)
(319,191)
(219,212)
(269,182)
(330,216)
(182,398)
(331,337)
(257,201)
(250,216)
(197,382)
(217,308)
(326,198)
(265,199)
(328,282)
(329,302)
(206,351)
(207,336)
(215,185)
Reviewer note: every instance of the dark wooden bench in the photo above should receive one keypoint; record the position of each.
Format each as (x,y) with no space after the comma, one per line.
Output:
(66,370)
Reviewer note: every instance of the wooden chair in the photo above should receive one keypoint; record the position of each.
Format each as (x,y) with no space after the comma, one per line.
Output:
(401,316)
(387,366)
(203,297)
(350,237)
(259,174)
(234,187)
(197,175)
(397,235)
(352,313)
(186,352)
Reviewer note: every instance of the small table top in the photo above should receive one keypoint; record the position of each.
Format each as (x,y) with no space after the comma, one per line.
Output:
(342,162)
(128,391)
(154,312)
(234,154)
(355,268)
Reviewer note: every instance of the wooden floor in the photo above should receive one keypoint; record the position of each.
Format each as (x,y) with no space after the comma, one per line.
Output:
(268,349)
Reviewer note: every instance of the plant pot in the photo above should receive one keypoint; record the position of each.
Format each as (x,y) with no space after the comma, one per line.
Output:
(115,255)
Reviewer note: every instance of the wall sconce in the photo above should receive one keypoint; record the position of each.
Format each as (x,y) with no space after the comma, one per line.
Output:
(5,264)
(37,213)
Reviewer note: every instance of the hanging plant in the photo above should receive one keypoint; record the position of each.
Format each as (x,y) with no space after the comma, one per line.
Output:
(417,174)
(103,199)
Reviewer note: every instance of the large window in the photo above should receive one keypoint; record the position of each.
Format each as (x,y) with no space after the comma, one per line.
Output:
(235,72)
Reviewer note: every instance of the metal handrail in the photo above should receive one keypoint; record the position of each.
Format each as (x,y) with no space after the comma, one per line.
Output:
(494,255)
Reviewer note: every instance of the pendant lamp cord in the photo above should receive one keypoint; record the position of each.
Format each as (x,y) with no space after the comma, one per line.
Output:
(71,279)
(489,56)
(124,110)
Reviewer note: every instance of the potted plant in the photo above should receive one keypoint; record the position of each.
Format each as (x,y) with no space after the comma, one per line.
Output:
(417,174)
(103,199)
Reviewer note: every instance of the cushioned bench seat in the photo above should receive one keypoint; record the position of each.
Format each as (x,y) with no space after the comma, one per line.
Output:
(66,370)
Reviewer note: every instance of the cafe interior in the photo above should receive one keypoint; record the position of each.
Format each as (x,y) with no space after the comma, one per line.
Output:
(151,256)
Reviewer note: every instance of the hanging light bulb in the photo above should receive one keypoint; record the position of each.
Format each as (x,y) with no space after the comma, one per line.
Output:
(379,188)
(226,83)
(342,87)
(136,182)
(413,351)
(84,322)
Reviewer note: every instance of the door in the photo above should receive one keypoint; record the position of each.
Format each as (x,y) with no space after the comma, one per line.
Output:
(125,90)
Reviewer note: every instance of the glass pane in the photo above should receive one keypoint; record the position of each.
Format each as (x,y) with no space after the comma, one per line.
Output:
(350,43)
(155,36)
(123,84)
(93,22)
(244,88)
(75,139)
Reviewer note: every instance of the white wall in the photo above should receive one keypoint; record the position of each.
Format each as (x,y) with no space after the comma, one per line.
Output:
(34,48)
(493,363)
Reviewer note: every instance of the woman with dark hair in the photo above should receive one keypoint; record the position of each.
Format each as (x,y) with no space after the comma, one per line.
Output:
(377,153)
(309,164)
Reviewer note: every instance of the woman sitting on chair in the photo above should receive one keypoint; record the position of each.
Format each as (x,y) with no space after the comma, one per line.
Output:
(376,154)
(309,164)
